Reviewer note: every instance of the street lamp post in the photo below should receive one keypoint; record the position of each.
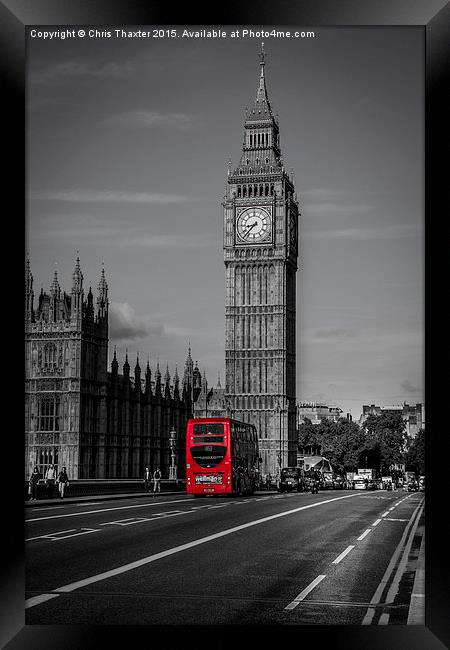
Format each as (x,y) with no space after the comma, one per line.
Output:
(173,467)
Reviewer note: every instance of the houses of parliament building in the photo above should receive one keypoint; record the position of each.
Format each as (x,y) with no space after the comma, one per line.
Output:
(98,423)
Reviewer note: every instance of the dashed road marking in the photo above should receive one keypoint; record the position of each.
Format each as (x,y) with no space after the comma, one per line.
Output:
(343,554)
(305,592)
(365,533)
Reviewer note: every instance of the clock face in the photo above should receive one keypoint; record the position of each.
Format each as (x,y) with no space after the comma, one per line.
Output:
(254,225)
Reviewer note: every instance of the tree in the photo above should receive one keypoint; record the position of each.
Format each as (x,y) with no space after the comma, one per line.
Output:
(386,438)
(341,442)
(415,457)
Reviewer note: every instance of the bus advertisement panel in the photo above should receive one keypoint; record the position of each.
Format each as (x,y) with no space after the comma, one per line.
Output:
(222,457)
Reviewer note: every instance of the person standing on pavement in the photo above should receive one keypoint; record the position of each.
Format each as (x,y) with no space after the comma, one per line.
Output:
(50,477)
(34,480)
(147,479)
(63,481)
(157,481)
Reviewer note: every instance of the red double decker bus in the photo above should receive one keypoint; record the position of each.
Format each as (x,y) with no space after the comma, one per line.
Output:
(222,457)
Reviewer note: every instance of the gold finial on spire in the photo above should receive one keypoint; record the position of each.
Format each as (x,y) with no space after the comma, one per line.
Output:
(262,55)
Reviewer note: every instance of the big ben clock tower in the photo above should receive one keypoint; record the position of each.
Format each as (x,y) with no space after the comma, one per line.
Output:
(260,253)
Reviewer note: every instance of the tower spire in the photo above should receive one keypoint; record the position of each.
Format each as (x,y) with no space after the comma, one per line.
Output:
(29,295)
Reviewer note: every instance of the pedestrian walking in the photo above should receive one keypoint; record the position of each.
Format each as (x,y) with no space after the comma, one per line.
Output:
(63,481)
(157,481)
(147,479)
(50,478)
(33,483)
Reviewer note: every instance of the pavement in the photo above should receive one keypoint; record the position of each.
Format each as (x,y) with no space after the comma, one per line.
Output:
(108,497)
(131,495)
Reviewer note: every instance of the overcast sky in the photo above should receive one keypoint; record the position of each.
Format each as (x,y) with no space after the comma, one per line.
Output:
(128,146)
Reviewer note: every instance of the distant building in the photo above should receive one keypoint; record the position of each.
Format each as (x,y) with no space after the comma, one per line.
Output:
(315,412)
(413,416)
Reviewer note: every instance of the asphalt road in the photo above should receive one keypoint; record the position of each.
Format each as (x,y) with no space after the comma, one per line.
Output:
(339,557)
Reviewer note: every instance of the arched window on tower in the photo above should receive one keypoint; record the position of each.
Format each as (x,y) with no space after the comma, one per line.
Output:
(50,356)
(49,412)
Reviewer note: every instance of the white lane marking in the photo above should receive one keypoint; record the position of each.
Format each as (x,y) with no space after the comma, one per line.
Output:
(87,503)
(37,600)
(343,554)
(375,523)
(93,512)
(50,535)
(384,619)
(126,522)
(391,519)
(305,592)
(157,516)
(222,506)
(376,598)
(385,513)
(365,533)
(85,531)
(47,508)
(183,547)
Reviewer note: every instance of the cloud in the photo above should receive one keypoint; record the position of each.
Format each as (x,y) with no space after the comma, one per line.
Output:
(335,333)
(107,196)
(399,231)
(106,230)
(125,325)
(149,119)
(70,69)
(329,209)
(409,387)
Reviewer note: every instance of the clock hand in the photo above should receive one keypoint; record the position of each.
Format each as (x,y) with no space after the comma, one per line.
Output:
(250,228)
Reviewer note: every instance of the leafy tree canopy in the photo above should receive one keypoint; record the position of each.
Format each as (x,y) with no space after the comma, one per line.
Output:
(379,444)
(415,457)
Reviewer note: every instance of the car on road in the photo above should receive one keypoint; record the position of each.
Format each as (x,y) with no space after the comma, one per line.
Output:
(291,480)
(412,486)
(338,483)
(359,482)
(422,483)
(371,484)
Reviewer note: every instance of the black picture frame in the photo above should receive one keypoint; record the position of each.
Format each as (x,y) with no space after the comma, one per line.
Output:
(433,17)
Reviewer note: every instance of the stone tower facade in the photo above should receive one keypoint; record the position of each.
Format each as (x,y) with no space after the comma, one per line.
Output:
(66,350)
(260,241)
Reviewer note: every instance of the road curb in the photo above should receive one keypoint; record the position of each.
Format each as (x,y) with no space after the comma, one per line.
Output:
(416,614)
(95,497)
(110,497)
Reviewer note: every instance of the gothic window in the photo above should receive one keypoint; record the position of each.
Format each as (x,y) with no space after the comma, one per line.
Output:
(46,456)
(267,190)
(50,356)
(239,191)
(49,412)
